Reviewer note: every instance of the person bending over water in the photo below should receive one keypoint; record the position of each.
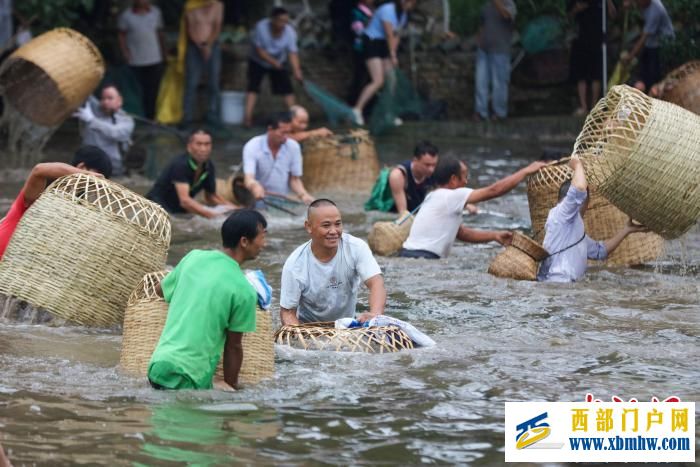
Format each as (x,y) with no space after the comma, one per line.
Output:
(187,175)
(320,278)
(210,305)
(300,123)
(565,237)
(88,159)
(439,220)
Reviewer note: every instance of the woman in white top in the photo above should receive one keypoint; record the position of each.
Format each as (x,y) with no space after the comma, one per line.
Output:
(381,42)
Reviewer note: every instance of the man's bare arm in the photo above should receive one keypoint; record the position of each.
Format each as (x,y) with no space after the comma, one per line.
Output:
(397,182)
(288,316)
(189,204)
(233,357)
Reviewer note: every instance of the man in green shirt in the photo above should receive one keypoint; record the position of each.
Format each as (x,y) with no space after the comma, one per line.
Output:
(211,304)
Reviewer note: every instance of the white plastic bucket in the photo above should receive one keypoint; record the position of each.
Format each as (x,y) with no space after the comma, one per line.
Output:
(232,107)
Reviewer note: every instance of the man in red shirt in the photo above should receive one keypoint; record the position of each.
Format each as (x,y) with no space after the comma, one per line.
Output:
(88,159)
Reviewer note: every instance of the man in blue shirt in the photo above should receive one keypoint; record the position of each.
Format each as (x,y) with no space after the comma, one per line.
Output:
(565,238)
(273,42)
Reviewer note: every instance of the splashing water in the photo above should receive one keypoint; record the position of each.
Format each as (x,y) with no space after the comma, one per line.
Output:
(25,139)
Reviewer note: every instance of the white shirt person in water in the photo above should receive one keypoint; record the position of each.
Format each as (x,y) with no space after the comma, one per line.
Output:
(320,278)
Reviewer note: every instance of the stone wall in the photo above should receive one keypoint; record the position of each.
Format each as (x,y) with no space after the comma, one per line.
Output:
(443,73)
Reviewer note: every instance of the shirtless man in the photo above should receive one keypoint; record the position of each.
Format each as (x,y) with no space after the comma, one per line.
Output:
(300,122)
(203,53)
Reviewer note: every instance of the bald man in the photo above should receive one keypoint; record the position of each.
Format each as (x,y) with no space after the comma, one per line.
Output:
(300,122)
(320,278)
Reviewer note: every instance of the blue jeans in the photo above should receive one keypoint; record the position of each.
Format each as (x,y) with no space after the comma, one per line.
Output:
(194,65)
(492,73)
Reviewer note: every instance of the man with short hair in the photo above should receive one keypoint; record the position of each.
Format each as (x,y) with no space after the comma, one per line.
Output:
(320,278)
(88,159)
(104,124)
(203,20)
(300,123)
(439,220)
(142,44)
(273,42)
(411,180)
(185,176)
(565,238)
(272,162)
(657,27)
(210,305)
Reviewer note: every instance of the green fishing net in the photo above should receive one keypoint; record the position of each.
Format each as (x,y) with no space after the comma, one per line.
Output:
(336,110)
(396,99)
(542,33)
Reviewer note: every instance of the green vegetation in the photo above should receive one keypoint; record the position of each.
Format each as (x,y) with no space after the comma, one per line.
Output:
(54,13)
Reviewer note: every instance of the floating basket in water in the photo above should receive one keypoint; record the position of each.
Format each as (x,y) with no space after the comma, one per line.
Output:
(49,77)
(144,321)
(233,189)
(324,336)
(520,260)
(682,86)
(387,238)
(602,220)
(643,155)
(80,249)
(340,163)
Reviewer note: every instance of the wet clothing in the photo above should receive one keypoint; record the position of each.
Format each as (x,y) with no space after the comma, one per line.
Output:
(404,253)
(202,308)
(385,14)
(272,172)
(8,224)
(564,228)
(586,50)
(181,170)
(436,225)
(111,133)
(326,291)
(278,47)
(415,192)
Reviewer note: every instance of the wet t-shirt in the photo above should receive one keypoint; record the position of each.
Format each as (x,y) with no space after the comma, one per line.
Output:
(8,224)
(326,291)
(181,170)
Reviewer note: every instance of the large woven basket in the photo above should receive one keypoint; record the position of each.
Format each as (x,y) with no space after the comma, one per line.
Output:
(340,163)
(49,77)
(520,260)
(682,86)
(643,155)
(324,336)
(82,247)
(144,321)
(387,238)
(233,189)
(602,220)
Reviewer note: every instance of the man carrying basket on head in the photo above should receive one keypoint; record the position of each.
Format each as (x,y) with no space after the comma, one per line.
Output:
(320,278)
(566,237)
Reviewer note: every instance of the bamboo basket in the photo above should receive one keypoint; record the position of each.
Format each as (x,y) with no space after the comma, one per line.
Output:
(682,86)
(82,247)
(520,260)
(340,163)
(49,77)
(324,336)
(144,321)
(239,195)
(602,220)
(643,155)
(387,238)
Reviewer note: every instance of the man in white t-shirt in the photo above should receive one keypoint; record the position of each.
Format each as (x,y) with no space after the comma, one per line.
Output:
(141,42)
(439,220)
(320,278)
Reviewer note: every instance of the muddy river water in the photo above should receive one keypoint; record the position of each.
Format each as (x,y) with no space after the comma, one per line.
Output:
(632,332)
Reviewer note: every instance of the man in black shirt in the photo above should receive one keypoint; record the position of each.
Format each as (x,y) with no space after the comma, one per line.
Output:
(187,175)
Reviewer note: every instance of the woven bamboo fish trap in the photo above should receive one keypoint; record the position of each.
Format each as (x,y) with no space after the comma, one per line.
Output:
(233,189)
(520,260)
(387,238)
(340,163)
(682,86)
(602,220)
(49,77)
(144,321)
(643,155)
(80,249)
(324,336)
